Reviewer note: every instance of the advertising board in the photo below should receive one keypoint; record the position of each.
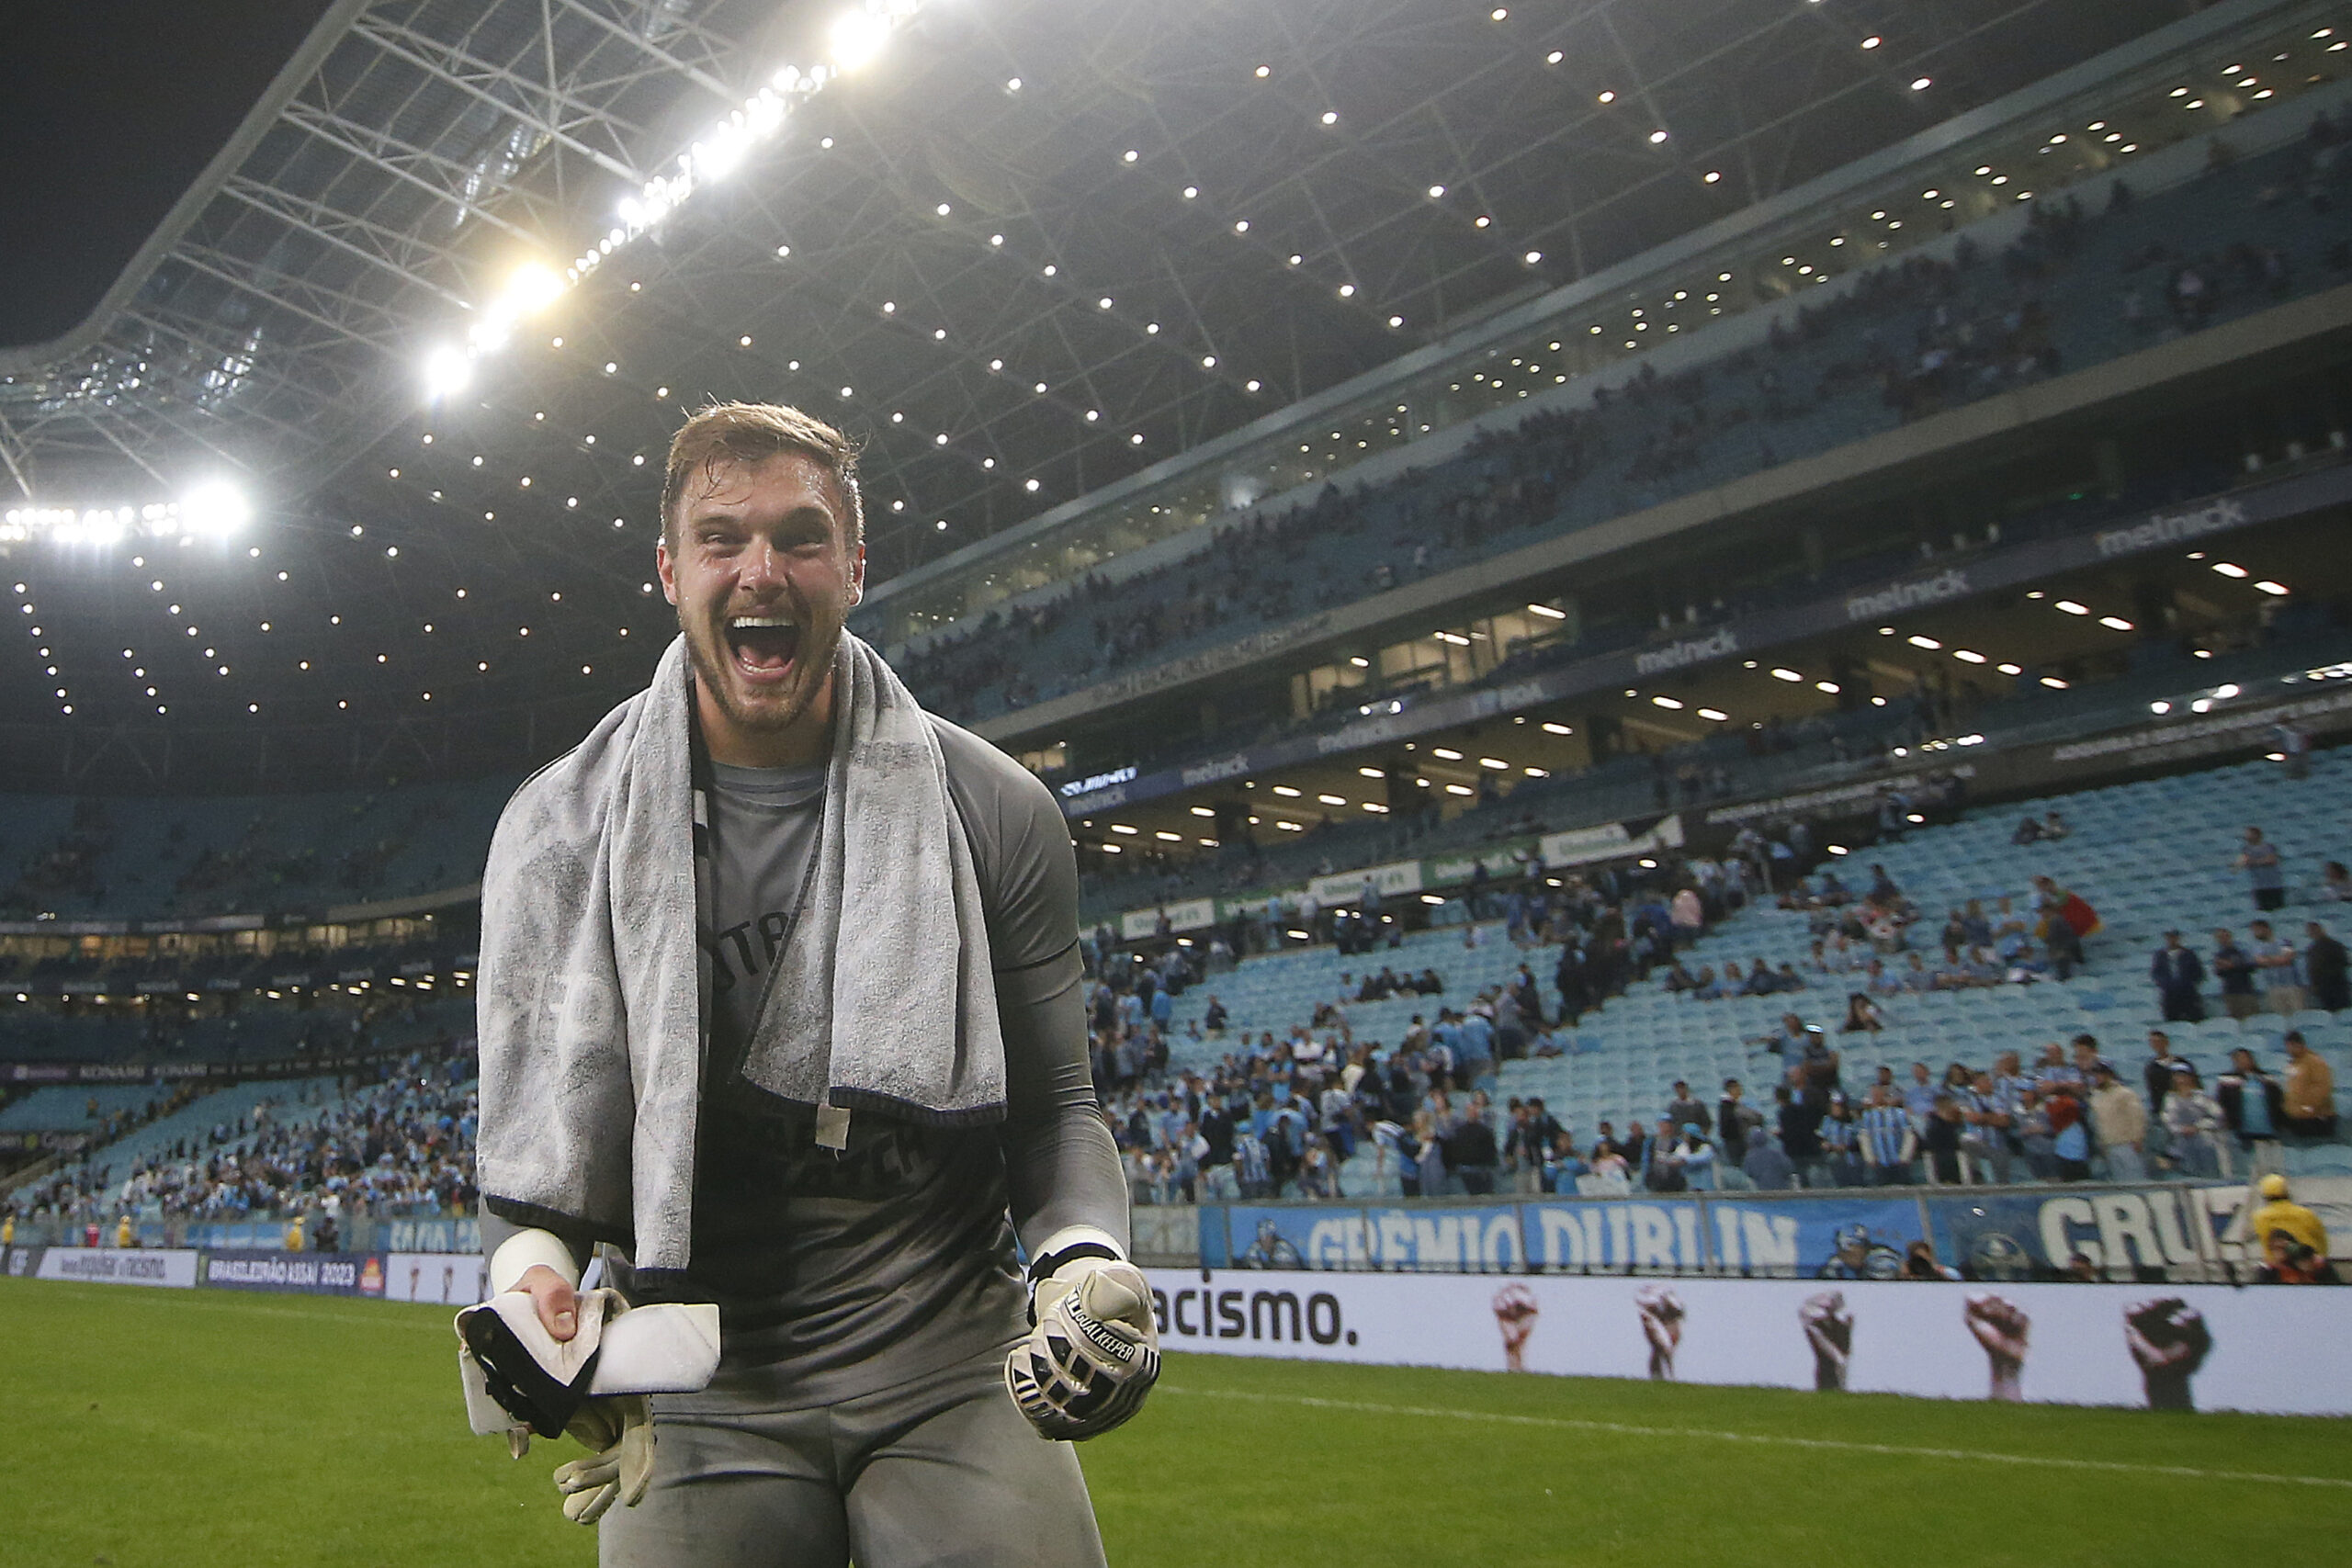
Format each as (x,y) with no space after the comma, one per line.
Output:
(2181,1347)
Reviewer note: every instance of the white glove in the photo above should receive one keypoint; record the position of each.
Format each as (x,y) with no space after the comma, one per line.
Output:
(618,1428)
(595,1384)
(1094,1352)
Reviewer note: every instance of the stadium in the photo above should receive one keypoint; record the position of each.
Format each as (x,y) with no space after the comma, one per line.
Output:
(1690,651)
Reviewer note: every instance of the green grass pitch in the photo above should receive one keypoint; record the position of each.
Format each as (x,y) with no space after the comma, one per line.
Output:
(195,1428)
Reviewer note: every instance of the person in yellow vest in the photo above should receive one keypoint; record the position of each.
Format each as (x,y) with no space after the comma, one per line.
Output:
(2278,1213)
(123,1235)
(8,1230)
(294,1234)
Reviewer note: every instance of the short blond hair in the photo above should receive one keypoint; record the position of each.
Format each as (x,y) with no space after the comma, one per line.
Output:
(749,433)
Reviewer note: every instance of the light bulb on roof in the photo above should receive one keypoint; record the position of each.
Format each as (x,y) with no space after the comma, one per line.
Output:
(448,371)
(532,287)
(856,36)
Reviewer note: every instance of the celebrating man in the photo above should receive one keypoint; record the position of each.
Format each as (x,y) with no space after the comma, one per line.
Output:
(780,1006)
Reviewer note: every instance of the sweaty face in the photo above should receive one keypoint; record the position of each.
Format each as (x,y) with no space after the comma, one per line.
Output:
(763,575)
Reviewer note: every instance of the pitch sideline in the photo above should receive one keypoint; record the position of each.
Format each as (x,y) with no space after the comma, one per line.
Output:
(1624,1429)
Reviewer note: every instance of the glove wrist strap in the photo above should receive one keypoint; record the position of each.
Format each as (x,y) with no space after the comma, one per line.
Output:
(1070,1243)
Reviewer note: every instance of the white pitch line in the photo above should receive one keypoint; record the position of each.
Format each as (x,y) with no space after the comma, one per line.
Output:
(1622,1429)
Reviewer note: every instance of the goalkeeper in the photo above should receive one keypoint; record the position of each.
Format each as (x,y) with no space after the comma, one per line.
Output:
(893,1387)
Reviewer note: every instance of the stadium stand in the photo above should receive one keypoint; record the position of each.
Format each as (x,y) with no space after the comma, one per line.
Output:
(397,1142)
(248,854)
(63,1108)
(2147,856)
(2199,234)
(78,1192)
(254,1033)
(2097,274)
(1730,766)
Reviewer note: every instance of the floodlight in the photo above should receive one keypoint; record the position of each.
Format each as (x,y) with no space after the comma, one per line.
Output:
(857,37)
(448,371)
(718,157)
(532,287)
(215,508)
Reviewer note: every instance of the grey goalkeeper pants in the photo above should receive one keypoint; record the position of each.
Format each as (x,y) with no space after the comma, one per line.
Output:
(939,1470)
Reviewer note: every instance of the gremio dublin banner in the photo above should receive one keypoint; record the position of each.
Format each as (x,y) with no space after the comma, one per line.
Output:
(2162,1346)
(2003,1234)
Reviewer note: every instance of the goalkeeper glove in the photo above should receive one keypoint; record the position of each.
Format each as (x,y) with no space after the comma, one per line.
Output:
(618,1429)
(1094,1351)
(519,1379)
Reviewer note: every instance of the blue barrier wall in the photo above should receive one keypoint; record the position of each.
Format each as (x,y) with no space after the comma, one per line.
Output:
(1991,1233)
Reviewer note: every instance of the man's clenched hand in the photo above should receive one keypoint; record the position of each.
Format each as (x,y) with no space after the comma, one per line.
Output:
(1093,1355)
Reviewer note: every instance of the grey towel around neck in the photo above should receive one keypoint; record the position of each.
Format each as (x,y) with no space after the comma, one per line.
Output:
(593,997)
(883,998)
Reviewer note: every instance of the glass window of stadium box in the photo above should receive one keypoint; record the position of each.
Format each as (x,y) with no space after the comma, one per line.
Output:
(1046,760)
(1449,656)
(261,941)
(2095,133)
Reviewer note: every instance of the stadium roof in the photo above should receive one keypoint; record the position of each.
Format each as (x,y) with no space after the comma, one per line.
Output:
(1025,250)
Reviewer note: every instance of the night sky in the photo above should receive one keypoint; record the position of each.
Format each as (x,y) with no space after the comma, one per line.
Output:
(108,109)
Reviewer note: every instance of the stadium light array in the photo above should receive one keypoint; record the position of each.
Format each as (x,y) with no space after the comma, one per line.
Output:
(211,511)
(856,38)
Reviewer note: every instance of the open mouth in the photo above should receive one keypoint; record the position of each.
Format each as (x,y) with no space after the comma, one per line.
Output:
(763,646)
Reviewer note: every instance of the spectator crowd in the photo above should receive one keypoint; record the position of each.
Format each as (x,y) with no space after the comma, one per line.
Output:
(401,1145)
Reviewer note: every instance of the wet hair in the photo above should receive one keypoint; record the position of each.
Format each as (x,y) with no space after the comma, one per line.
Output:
(751,432)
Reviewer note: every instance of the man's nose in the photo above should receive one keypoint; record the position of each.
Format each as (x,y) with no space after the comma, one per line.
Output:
(762,566)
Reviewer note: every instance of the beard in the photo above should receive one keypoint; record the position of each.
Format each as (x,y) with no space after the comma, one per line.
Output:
(764,709)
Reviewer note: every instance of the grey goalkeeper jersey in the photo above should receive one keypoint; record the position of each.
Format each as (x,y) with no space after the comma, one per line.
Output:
(838,1274)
